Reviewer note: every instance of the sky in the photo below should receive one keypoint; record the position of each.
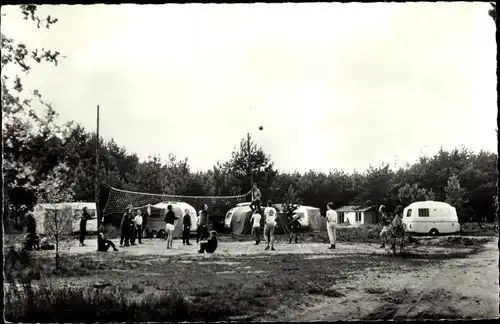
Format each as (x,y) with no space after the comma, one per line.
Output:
(334,85)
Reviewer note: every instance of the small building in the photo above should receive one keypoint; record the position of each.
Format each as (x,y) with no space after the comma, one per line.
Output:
(356,215)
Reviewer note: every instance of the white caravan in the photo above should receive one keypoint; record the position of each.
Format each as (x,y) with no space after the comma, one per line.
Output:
(40,211)
(432,217)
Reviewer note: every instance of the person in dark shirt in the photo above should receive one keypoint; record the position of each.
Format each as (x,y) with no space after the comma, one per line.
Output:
(131,226)
(125,227)
(103,244)
(170,218)
(83,225)
(186,222)
(203,224)
(31,231)
(210,245)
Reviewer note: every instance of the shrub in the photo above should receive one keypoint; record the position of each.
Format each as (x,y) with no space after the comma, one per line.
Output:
(71,304)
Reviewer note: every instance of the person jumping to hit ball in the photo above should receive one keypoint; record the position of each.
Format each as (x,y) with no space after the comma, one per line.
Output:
(256,197)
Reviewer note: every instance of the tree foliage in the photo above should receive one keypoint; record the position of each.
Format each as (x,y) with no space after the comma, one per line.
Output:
(493,11)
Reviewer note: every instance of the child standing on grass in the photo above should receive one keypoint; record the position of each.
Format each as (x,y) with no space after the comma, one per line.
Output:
(255,220)
(270,219)
(331,225)
(138,225)
(210,245)
(203,224)
(294,227)
(186,223)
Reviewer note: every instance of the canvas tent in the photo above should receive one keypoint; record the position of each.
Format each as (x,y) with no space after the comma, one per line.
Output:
(317,222)
(238,220)
(155,219)
(311,217)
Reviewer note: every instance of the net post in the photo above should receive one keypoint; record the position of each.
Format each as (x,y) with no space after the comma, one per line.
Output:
(96,183)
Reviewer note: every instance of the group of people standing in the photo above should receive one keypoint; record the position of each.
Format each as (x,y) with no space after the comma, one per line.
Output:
(203,229)
(392,225)
(270,222)
(131,227)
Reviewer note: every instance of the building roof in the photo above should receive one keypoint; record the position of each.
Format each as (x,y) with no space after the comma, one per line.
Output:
(353,208)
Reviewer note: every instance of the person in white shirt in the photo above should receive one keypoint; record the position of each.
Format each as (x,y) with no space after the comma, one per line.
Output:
(331,225)
(270,220)
(138,225)
(255,220)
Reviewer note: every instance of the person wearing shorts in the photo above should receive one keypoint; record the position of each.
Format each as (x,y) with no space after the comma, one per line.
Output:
(331,225)
(255,220)
(170,218)
(270,224)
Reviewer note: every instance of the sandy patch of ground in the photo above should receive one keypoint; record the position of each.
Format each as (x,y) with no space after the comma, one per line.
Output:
(456,288)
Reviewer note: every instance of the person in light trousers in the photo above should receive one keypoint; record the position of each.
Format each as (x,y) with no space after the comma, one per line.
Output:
(255,220)
(331,225)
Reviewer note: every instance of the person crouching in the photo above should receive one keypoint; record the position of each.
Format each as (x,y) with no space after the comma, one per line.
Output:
(210,245)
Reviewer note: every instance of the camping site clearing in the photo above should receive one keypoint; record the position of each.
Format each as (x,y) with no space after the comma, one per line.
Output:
(452,277)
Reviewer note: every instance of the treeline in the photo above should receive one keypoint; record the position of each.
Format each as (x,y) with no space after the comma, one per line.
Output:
(461,177)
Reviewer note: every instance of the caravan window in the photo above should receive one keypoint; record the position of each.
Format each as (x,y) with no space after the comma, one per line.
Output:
(408,213)
(423,212)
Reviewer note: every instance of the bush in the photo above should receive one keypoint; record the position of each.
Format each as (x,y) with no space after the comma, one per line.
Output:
(71,304)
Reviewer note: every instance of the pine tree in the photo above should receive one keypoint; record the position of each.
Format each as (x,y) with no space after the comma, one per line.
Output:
(455,196)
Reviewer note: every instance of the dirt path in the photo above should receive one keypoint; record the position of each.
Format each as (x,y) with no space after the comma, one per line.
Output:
(457,288)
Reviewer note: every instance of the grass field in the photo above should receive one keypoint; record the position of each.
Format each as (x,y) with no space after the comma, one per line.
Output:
(450,277)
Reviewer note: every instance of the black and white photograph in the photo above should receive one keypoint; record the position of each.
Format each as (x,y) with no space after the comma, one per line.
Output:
(250,162)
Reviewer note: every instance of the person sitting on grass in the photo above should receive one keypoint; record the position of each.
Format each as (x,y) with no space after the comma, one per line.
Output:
(210,245)
(255,220)
(103,244)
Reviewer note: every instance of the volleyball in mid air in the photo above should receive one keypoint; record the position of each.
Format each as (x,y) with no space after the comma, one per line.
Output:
(261,128)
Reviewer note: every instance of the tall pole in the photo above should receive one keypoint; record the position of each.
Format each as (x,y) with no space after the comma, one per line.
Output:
(249,163)
(96,184)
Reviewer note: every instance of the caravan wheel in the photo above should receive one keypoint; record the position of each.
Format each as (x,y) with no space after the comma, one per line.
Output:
(433,232)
